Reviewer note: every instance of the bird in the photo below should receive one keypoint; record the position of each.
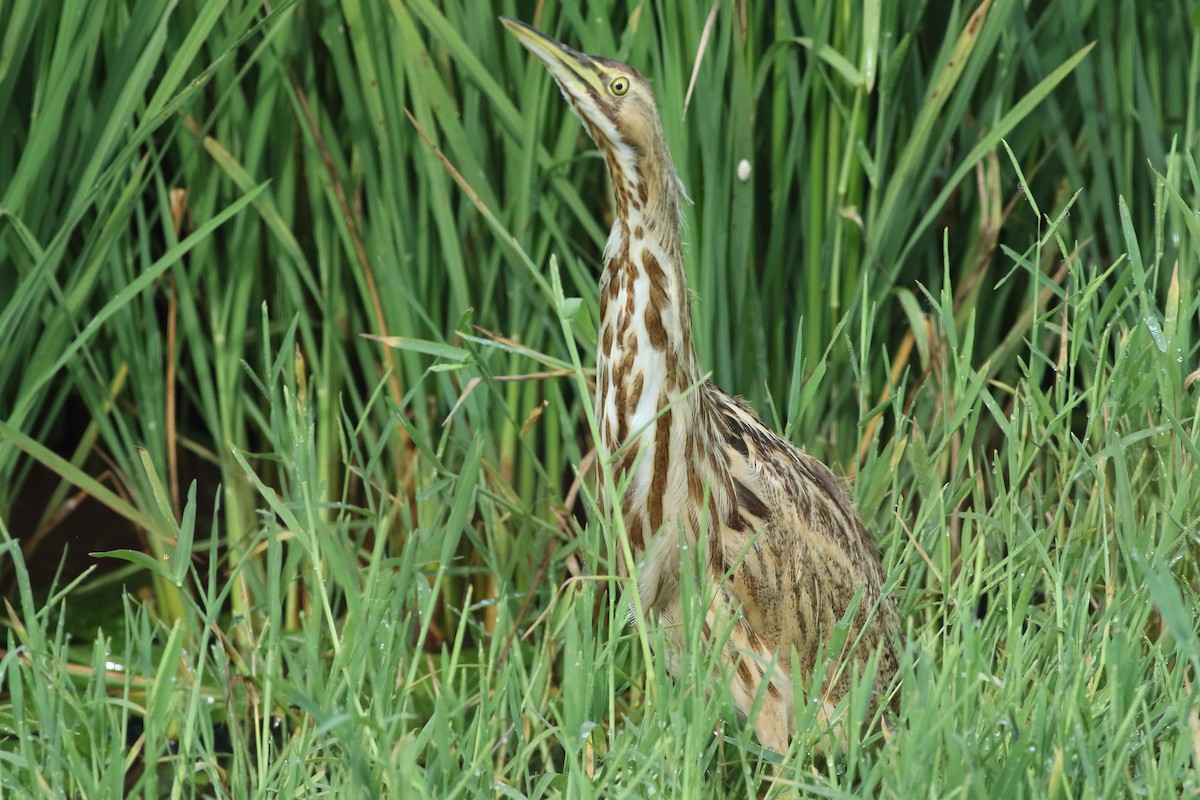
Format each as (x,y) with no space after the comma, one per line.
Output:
(787,553)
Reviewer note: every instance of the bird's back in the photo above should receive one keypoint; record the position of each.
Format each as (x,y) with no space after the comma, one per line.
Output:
(787,566)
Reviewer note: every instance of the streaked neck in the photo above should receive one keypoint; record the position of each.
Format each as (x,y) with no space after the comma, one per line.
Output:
(644,298)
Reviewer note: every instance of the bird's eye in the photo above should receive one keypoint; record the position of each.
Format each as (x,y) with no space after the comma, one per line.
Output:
(619,86)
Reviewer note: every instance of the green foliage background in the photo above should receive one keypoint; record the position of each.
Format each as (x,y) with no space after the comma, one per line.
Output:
(302,296)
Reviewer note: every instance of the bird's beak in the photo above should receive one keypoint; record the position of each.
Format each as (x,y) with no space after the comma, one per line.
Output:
(572,69)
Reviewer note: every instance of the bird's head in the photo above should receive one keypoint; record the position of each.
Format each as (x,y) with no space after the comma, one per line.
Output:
(613,100)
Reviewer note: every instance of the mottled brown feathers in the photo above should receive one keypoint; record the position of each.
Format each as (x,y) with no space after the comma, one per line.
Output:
(787,553)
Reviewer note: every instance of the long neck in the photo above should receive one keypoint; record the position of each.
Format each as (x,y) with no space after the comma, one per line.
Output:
(645,357)
(652,402)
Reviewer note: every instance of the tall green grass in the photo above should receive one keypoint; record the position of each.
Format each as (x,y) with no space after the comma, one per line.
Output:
(302,295)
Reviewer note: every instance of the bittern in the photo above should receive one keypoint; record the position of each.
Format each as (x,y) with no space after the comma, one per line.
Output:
(787,554)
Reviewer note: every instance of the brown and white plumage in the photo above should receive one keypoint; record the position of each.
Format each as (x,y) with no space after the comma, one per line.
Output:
(787,553)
